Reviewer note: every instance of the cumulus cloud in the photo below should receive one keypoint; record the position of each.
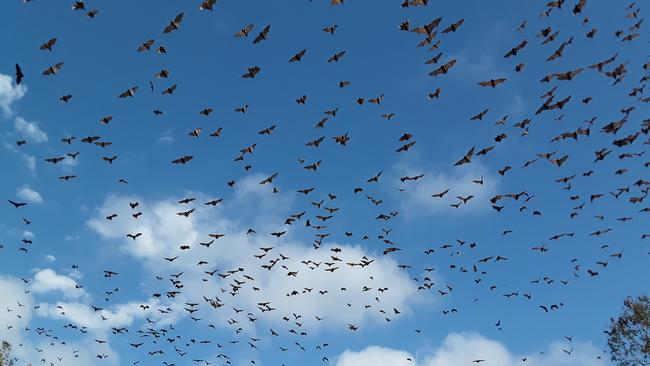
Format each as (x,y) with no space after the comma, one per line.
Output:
(101,321)
(29,130)
(78,311)
(30,195)
(18,311)
(464,348)
(164,232)
(69,163)
(14,317)
(77,353)
(30,162)
(9,93)
(417,197)
(376,356)
(47,280)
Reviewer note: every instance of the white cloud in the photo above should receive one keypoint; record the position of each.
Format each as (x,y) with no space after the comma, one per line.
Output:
(29,130)
(582,354)
(9,93)
(119,315)
(78,312)
(417,197)
(76,274)
(376,356)
(464,348)
(30,195)
(14,317)
(17,312)
(78,353)
(30,161)
(50,258)
(47,280)
(68,163)
(164,231)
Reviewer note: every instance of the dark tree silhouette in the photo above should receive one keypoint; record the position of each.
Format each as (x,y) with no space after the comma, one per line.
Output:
(5,354)
(629,334)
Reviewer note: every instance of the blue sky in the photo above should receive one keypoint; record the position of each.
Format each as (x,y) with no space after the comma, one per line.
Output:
(73,243)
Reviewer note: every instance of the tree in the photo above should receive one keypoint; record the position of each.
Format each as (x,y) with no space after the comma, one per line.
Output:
(629,335)
(5,354)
